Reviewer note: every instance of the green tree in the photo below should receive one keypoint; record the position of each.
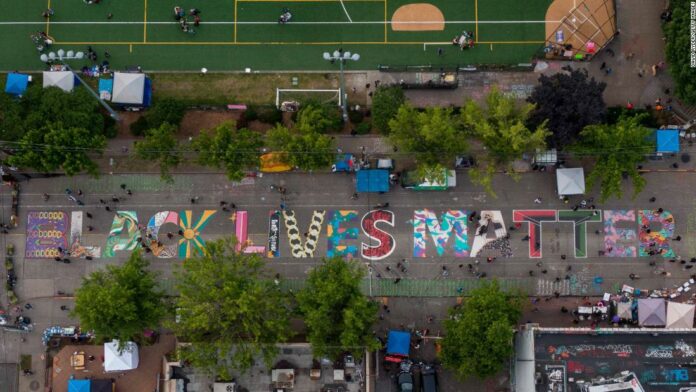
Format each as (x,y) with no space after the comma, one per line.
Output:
(431,135)
(279,138)
(338,316)
(120,302)
(11,119)
(386,101)
(51,106)
(618,149)
(224,146)
(160,146)
(54,147)
(227,311)
(311,151)
(502,130)
(316,117)
(678,50)
(479,332)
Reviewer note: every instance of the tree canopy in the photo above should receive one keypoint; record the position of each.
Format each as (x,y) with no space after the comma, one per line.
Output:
(235,150)
(432,135)
(44,107)
(160,146)
(479,332)
(306,150)
(227,311)
(120,302)
(317,117)
(678,50)
(11,119)
(386,101)
(618,149)
(569,101)
(337,314)
(54,147)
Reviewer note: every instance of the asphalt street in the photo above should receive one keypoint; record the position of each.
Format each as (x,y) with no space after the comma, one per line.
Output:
(40,279)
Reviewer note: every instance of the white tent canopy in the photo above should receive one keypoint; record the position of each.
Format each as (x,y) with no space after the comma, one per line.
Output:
(651,312)
(65,80)
(624,310)
(570,181)
(117,361)
(680,315)
(129,88)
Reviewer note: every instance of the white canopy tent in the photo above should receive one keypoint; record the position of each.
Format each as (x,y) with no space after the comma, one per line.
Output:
(129,88)
(624,310)
(64,80)
(118,361)
(570,181)
(680,315)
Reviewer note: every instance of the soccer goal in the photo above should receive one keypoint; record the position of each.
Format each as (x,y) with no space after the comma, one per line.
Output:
(290,100)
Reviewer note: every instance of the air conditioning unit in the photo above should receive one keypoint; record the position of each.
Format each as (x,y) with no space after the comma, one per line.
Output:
(225,387)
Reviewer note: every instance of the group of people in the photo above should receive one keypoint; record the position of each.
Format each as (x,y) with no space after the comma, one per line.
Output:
(285,16)
(182,18)
(465,40)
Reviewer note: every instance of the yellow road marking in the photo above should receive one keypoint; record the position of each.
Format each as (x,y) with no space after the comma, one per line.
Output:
(223,43)
(385,21)
(130,48)
(48,20)
(145,24)
(476,20)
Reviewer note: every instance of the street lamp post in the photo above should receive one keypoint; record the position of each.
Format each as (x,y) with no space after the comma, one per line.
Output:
(342,57)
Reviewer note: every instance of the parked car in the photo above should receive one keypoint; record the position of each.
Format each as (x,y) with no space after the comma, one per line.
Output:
(405,382)
(428,379)
(464,162)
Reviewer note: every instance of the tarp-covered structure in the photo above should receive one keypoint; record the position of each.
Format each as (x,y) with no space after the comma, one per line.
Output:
(373,180)
(680,315)
(131,89)
(624,311)
(667,141)
(570,181)
(116,360)
(79,385)
(64,80)
(16,83)
(102,386)
(398,343)
(651,312)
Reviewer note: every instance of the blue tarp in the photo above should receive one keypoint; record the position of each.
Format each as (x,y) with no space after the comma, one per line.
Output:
(147,94)
(79,385)
(667,141)
(106,85)
(376,180)
(344,163)
(398,343)
(16,83)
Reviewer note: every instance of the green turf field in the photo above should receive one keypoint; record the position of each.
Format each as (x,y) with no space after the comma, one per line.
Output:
(239,34)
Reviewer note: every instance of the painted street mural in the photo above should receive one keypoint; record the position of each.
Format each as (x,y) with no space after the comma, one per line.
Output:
(351,233)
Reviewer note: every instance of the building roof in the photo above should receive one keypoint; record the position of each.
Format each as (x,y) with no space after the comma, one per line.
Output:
(64,80)
(16,83)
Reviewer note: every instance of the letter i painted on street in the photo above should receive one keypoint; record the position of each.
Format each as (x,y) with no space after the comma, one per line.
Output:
(534,219)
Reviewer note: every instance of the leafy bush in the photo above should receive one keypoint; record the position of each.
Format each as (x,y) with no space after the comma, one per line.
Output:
(322,118)
(363,128)
(251,113)
(139,126)
(385,103)
(356,116)
(270,115)
(166,110)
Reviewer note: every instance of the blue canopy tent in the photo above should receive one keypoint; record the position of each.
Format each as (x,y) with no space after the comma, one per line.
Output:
(374,180)
(79,385)
(667,141)
(16,83)
(398,345)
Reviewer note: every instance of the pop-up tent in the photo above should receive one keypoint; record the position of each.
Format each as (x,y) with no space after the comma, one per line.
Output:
(131,89)
(16,83)
(667,141)
(651,312)
(373,180)
(680,315)
(570,181)
(116,360)
(344,163)
(102,386)
(79,385)
(398,345)
(64,80)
